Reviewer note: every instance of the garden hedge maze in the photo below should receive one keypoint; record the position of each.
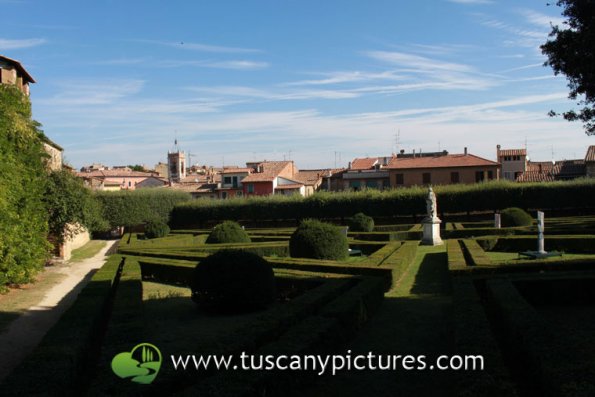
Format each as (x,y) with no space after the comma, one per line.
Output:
(530,319)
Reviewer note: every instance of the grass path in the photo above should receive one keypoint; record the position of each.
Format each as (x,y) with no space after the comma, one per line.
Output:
(29,313)
(414,319)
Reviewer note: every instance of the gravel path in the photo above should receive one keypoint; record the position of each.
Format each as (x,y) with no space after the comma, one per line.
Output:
(25,333)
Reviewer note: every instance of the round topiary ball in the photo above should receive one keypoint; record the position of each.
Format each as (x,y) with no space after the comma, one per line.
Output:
(155,229)
(228,232)
(361,222)
(318,240)
(515,217)
(233,281)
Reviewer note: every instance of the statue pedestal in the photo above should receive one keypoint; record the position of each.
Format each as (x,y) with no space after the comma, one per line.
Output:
(431,228)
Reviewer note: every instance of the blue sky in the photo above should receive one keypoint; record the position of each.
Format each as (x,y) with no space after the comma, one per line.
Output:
(320,82)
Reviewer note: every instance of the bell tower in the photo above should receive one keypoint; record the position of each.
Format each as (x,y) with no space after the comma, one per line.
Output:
(176,162)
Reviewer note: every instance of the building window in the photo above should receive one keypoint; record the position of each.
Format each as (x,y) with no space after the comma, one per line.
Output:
(227,180)
(400,179)
(426,178)
(250,188)
(479,176)
(235,181)
(490,175)
(224,195)
(372,184)
(454,177)
(239,194)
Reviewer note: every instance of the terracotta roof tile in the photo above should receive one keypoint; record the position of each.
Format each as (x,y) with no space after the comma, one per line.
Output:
(270,170)
(236,170)
(364,163)
(535,176)
(117,173)
(446,161)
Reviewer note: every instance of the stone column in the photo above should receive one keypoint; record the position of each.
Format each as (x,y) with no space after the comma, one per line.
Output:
(540,229)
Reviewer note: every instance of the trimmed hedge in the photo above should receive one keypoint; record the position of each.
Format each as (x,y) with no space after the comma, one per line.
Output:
(156,229)
(475,255)
(233,281)
(515,217)
(318,240)
(228,232)
(335,324)
(360,222)
(473,335)
(456,258)
(134,207)
(553,365)
(572,244)
(488,196)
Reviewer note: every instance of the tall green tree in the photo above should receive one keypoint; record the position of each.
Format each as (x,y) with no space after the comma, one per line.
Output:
(71,206)
(571,51)
(23,215)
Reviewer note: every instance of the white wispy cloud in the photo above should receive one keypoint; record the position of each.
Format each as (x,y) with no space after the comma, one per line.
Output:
(541,20)
(348,77)
(270,95)
(417,62)
(184,45)
(14,44)
(92,92)
(216,64)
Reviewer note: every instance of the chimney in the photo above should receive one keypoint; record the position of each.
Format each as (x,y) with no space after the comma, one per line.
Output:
(465,150)
(349,165)
(402,151)
(413,152)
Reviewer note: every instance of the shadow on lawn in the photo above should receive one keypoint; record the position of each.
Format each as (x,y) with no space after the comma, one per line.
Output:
(432,276)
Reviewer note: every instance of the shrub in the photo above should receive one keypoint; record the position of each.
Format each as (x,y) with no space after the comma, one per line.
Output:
(318,240)
(228,232)
(233,281)
(154,229)
(515,217)
(361,223)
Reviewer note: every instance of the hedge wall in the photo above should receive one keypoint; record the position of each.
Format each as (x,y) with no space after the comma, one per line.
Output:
(451,199)
(134,207)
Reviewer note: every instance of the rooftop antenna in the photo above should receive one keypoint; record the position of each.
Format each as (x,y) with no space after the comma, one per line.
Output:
(439,148)
(553,160)
(190,159)
(397,140)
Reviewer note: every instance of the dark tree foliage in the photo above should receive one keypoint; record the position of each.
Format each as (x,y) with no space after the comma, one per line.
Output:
(23,216)
(233,281)
(570,51)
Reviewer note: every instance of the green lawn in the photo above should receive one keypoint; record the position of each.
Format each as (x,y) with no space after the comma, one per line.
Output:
(16,301)
(87,251)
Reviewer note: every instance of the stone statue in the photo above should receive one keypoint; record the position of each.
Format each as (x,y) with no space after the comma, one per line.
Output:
(431,223)
(431,204)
